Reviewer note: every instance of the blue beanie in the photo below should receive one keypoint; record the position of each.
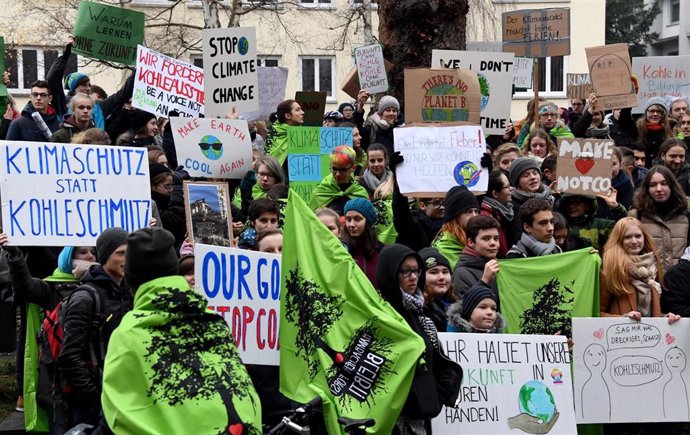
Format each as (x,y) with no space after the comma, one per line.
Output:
(73,79)
(65,259)
(362,206)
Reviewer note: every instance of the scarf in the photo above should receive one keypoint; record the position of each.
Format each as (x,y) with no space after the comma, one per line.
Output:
(372,181)
(686,254)
(376,120)
(642,271)
(654,126)
(598,132)
(539,248)
(414,302)
(523,196)
(505,210)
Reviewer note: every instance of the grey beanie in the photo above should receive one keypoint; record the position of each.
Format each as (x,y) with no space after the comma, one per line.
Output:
(519,166)
(386,102)
(108,242)
(655,101)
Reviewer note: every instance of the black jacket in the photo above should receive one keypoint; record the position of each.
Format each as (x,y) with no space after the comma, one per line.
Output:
(25,128)
(468,273)
(676,295)
(373,133)
(412,231)
(82,326)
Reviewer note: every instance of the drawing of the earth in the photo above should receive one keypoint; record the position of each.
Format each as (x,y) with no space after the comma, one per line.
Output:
(441,114)
(536,400)
(485,91)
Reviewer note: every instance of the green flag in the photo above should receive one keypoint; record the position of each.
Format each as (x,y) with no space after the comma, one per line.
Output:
(540,295)
(338,338)
(35,417)
(172,367)
(108,33)
(385,230)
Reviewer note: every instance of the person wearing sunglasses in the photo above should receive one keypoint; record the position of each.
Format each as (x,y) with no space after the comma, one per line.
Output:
(549,121)
(37,128)
(339,186)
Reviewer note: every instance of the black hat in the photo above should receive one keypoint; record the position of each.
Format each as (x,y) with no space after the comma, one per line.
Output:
(519,166)
(140,118)
(473,296)
(108,242)
(150,255)
(458,199)
(157,169)
(432,258)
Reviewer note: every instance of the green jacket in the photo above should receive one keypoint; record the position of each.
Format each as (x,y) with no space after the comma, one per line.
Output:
(594,229)
(449,246)
(328,190)
(559,130)
(172,367)
(277,143)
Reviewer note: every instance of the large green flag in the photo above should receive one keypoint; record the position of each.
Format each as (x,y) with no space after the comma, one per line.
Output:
(540,295)
(35,417)
(338,338)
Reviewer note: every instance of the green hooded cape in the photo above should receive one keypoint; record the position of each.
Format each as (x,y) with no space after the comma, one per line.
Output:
(328,190)
(449,246)
(172,367)
(277,144)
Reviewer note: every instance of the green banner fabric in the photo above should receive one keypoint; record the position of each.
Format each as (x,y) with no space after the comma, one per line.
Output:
(540,295)
(108,33)
(35,417)
(3,88)
(172,367)
(338,338)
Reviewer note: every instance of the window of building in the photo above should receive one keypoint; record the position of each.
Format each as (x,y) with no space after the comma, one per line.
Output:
(674,16)
(318,74)
(552,78)
(374,3)
(315,3)
(28,64)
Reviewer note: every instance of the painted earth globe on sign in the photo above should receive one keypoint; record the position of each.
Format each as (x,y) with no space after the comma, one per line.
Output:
(243,45)
(211,147)
(433,102)
(466,174)
(485,91)
(536,400)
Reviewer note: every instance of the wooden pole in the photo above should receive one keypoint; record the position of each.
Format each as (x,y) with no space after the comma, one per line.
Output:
(535,87)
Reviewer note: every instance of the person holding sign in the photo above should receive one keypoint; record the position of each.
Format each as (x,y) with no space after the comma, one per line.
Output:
(339,186)
(78,121)
(591,123)
(381,124)
(169,201)
(460,206)
(289,113)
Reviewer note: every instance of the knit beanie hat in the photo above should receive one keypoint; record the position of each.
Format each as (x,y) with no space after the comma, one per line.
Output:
(140,118)
(186,264)
(362,206)
(157,169)
(108,242)
(473,296)
(658,101)
(458,199)
(344,105)
(150,255)
(72,80)
(386,102)
(519,166)
(432,258)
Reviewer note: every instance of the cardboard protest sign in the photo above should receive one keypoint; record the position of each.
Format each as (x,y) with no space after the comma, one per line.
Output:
(667,77)
(617,361)
(213,147)
(272,82)
(350,84)
(56,194)
(230,70)
(584,165)
(441,95)
(308,155)
(510,382)
(314,105)
(163,83)
(3,88)
(370,68)
(243,286)
(495,75)
(207,208)
(108,33)
(609,71)
(438,158)
(578,86)
(537,32)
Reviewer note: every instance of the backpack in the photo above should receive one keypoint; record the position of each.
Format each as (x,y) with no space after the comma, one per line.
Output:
(49,338)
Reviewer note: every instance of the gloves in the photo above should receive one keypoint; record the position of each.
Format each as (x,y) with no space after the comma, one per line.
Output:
(487,162)
(395,160)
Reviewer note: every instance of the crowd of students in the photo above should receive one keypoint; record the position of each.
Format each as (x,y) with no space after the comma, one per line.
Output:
(435,260)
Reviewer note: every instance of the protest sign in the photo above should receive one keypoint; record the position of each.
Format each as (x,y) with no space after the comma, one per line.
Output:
(243,286)
(510,382)
(438,158)
(537,32)
(441,95)
(578,86)
(609,71)
(667,77)
(350,84)
(3,88)
(523,72)
(230,65)
(56,194)
(272,82)
(618,362)
(495,75)
(314,105)
(108,33)
(207,208)
(163,83)
(213,147)
(370,68)
(540,297)
(584,165)
(309,149)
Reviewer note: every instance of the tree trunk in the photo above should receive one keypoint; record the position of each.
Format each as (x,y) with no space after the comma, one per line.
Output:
(410,29)
(211,19)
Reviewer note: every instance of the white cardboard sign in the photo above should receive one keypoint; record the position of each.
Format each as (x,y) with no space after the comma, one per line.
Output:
(371,69)
(667,77)
(272,83)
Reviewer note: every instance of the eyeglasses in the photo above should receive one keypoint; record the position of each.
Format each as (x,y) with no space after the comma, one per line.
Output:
(655,112)
(340,170)
(265,175)
(407,272)
(39,94)
(216,146)
(549,115)
(437,203)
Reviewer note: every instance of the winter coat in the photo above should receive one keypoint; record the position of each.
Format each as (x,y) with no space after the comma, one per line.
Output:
(411,227)
(468,273)
(81,333)
(594,229)
(676,295)
(4,128)
(616,306)
(623,130)
(25,128)
(367,263)
(684,178)
(624,188)
(652,141)
(331,195)
(172,214)
(457,324)
(68,129)
(671,235)
(373,133)
(520,250)
(128,140)
(436,311)
(506,233)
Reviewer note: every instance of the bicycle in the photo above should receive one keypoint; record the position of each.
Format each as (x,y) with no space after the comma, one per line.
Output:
(293,421)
